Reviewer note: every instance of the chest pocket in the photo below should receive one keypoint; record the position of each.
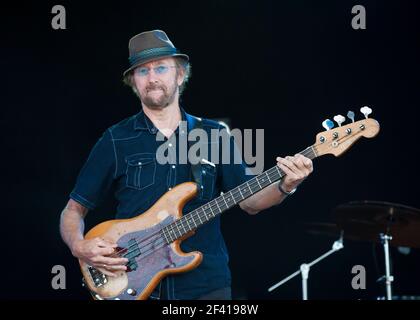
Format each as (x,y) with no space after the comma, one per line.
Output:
(141,171)
(208,180)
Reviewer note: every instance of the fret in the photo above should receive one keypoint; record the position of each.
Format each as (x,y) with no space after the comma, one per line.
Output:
(279,171)
(170,234)
(199,218)
(313,152)
(191,220)
(209,207)
(182,224)
(245,192)
(194,221)
(205,214)
(268,177)
(227,197)
(175,230)
(217,205)
(258,182)
(164,234)
(239,188)
(206,217)
(247,183)
(225,202)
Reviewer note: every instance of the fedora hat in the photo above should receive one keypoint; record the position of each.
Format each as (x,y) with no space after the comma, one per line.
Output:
(150,45)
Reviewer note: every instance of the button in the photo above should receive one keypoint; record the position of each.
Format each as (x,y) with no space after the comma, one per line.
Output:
(139,163)
(169,189)
(203,171)
(170,144)
(173,166)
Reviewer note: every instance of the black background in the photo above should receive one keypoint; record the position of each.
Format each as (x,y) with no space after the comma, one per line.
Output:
(279,66)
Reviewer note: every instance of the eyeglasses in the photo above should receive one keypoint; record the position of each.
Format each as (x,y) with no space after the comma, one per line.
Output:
(159,70)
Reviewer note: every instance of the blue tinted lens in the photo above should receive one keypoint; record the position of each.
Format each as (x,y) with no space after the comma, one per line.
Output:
(143,71)
(161,69)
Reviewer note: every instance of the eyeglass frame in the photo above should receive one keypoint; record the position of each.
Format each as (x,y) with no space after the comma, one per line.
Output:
(136,71)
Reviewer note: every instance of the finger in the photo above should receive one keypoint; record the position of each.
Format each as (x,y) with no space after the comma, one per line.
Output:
(287,171)
(106,243)
(106,272)
(100,251)
(298,162)
(288,161)
(116,268)
(298,173)
(301,170)
(308,164)
(111,261)
(306,161)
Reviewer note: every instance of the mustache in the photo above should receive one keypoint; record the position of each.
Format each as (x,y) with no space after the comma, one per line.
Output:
(154,87)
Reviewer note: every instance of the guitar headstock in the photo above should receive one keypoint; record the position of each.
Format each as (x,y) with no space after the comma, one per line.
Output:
(337,140)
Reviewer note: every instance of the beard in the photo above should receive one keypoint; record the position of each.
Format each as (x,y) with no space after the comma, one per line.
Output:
(158,96)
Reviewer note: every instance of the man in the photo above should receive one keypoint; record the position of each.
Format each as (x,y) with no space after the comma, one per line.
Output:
(124,160)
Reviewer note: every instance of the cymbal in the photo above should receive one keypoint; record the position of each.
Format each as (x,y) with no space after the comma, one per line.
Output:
(366,220)
(335,231)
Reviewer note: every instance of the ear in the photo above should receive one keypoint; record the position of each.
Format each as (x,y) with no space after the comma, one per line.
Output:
(181,76)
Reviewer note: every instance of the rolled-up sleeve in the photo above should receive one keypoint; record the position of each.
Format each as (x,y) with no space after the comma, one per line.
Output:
(97,174)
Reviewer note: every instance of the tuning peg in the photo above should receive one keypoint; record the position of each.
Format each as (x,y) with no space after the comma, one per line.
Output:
(339,119)
(327,124)
(350,115)
(366,111)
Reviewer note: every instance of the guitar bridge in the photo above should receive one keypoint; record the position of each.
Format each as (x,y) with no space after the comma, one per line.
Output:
(99,279)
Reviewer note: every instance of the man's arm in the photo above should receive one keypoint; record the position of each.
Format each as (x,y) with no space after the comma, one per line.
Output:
(297,168)
(93,251)
(72,223)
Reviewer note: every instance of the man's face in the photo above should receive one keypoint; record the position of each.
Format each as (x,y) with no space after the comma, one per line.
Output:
(157,82)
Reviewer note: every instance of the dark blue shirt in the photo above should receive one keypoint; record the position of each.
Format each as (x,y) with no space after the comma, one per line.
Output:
(124,162)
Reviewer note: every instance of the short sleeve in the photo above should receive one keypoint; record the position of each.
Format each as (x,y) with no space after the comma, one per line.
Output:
(97,174)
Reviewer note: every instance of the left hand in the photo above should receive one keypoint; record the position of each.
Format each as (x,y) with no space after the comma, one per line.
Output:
(297,168)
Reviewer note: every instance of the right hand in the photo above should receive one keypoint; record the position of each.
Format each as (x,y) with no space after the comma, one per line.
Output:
(94,252)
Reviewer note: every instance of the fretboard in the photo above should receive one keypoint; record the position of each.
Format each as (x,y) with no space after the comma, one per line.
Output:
(225,201)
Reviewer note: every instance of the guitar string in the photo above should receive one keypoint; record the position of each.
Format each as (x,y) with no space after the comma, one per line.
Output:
(209,205)
(214,203)
(305,152)
(308,151)
(158,235)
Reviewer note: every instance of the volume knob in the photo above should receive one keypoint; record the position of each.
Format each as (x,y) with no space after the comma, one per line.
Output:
(131,292)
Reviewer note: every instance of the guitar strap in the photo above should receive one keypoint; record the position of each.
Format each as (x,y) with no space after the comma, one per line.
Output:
(195,172)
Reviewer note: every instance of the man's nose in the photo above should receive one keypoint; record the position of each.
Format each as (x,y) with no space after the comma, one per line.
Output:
(151,75)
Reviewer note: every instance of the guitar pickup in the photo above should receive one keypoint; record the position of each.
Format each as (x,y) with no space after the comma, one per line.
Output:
(131,253)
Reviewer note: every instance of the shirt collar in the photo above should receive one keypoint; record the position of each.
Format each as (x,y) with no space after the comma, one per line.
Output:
(142,122)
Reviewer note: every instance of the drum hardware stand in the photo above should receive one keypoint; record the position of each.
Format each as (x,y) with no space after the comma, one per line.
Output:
(305,267)
(388,277)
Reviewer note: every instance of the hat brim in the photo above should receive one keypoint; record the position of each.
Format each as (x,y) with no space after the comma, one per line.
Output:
(157,57)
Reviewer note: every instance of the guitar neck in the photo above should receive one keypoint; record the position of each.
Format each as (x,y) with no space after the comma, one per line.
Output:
(210,210)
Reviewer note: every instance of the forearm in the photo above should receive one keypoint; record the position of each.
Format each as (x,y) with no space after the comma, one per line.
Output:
(72,224)
(263,199)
